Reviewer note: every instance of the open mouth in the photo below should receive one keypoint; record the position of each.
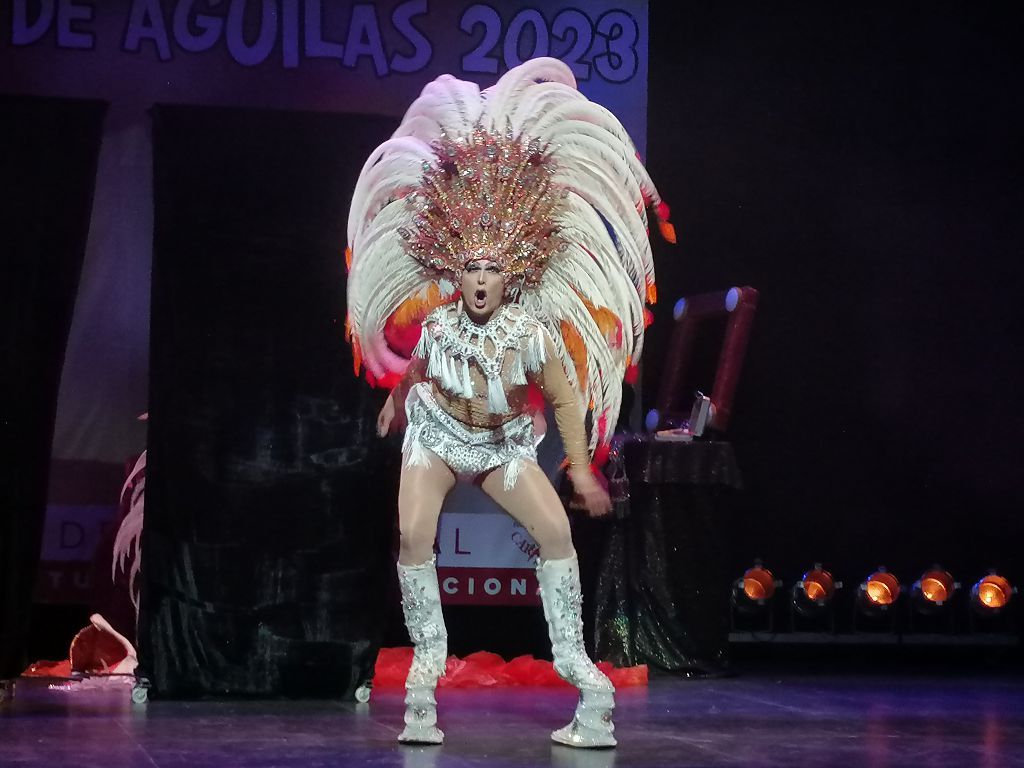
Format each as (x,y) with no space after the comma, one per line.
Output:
(480,298)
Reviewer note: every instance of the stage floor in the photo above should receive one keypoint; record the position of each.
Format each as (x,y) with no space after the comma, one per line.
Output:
(762,719)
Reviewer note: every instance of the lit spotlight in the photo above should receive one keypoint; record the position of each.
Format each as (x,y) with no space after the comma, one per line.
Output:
(815,590)
(879,592)
(752,597)
(933,590)
(755,589)
(991,594)
(812,601)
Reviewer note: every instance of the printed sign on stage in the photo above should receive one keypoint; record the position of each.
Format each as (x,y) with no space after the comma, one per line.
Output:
(485,559)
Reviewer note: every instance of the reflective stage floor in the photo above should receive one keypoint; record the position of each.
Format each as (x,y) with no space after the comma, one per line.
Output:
(760,719)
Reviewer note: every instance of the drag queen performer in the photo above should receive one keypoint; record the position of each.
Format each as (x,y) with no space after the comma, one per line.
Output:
(511,225)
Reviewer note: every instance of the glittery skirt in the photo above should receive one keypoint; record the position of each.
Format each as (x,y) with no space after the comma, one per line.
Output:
(466,450)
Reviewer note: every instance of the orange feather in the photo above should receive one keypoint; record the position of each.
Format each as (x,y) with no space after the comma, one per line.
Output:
(577,350)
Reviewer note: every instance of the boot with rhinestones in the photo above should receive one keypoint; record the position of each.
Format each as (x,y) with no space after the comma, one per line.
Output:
(592,725)
(421,603)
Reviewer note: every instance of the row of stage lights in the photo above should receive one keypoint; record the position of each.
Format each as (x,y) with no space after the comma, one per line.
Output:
(813,596)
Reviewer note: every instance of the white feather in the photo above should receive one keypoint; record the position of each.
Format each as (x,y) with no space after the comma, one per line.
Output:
(128,540)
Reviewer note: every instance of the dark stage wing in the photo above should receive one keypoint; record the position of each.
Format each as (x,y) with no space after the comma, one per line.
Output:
(48,154)
(270,502)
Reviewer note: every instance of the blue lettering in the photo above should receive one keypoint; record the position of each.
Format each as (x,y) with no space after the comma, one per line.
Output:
(24,32)
(422,50)
(67,36)
(146,22)
(364,39)
(209,27)
(241,51)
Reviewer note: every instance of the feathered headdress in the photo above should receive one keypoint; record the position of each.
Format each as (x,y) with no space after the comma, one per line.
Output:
(530,174)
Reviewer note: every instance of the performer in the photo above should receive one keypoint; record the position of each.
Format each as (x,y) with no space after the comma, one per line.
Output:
(510,226)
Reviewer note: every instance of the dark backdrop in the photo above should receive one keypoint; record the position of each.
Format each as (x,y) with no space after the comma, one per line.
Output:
(48,154)
(861,166)
(270,503)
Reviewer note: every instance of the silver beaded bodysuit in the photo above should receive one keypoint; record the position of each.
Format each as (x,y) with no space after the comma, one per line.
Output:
(467,404)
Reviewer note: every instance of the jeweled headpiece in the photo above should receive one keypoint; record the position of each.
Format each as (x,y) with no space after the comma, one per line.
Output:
(486,196)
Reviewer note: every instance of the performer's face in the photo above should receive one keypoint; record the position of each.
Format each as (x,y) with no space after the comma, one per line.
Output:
(482,288)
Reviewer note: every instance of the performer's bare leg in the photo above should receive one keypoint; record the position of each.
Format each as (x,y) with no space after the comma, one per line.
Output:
(533,502)
(420,496)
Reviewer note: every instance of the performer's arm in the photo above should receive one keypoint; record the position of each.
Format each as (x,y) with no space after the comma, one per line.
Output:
(560,393)
(395,403)
(415,373)
(563,398)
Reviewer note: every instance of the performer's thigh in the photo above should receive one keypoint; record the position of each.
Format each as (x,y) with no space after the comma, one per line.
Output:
(420,496)
(533,502)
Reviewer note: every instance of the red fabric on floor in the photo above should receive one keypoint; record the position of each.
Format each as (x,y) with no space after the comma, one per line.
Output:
(483,670)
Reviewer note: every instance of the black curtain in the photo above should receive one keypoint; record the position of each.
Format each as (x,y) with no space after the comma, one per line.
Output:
(48,154)
(270,504)
(861,166)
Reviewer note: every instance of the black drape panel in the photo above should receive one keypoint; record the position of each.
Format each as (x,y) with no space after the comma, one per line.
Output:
(48,154)
(656,574)
(270,503)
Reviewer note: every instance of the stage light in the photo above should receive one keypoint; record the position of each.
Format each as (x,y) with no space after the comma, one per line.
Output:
(755,589)
(878,592)
(991,594)
(679,309)
(812,601)
(933,590)
(732,299)
(652,419)
(752,597)
(814,591)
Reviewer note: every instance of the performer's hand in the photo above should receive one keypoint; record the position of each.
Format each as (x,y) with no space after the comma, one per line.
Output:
(385,417)
(595,498)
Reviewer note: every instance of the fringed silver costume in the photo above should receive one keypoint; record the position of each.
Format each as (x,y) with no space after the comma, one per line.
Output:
(468,362)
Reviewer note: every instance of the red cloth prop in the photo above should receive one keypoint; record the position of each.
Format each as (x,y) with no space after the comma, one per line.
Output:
(484,670)
(96,650)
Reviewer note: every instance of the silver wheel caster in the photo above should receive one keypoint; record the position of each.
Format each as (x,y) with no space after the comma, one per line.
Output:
(363,693)
(140,691)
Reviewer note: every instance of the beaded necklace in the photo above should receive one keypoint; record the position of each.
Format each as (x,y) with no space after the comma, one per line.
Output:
(448,344)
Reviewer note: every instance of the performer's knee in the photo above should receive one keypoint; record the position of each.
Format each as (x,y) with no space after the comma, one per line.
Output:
(555,540)
(415,547)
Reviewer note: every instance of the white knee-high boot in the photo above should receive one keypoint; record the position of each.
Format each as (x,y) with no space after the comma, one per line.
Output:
(421,604)
(562,598)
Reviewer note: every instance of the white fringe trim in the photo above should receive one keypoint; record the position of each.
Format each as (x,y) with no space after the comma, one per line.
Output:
(535,354)
(415,453)
(518,373)
(467,380)
(496,401)
(512,470)
(434,362)
(421,350)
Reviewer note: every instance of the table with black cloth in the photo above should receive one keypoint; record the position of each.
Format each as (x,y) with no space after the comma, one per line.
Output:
(655,573)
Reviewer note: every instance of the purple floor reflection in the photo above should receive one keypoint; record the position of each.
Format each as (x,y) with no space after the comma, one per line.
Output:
(756,720)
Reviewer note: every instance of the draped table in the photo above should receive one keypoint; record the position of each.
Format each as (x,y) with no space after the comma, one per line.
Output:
(655,573)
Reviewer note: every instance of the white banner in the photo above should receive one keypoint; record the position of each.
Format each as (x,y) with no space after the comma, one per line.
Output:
(484,540)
